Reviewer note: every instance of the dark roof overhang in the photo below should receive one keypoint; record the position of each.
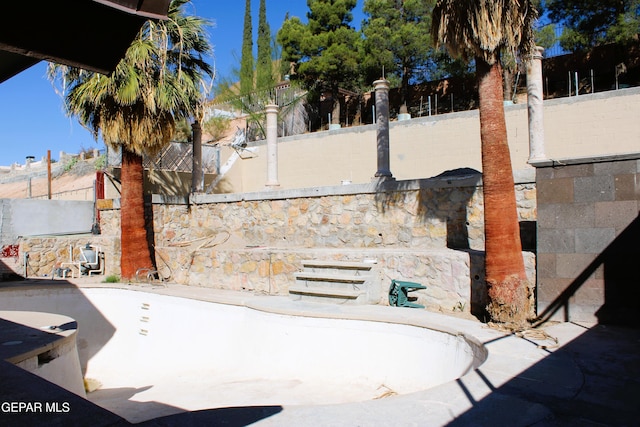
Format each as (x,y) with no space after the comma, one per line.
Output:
(89,34)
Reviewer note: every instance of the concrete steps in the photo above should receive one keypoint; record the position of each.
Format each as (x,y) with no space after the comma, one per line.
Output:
(335,281)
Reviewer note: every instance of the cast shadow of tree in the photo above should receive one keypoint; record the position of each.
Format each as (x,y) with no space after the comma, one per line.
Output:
(440,199)
(450,201)
(231,417)
(441,206)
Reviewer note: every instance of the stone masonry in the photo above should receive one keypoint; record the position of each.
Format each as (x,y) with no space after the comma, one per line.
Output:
(48,253)
(426,231)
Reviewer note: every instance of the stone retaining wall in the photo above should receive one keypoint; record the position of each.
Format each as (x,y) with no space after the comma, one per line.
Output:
(429,213)
(428,231)
(454,278)
(48,253)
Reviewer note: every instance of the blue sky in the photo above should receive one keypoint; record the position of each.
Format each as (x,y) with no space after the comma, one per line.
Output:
(32,120)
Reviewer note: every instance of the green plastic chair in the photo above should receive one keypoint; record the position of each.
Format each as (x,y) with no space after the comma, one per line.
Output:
(399,293)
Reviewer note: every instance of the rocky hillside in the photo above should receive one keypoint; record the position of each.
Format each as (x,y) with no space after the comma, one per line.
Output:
(71,181)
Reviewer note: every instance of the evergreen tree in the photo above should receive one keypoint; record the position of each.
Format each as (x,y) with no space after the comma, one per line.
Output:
(246,61)
(325,51)
(397,37)
(587,24)
(264,66)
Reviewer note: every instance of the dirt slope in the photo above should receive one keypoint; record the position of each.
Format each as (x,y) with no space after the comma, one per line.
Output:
(75,184)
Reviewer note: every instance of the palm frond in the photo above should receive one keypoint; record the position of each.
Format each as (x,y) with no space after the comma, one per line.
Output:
(480,28)
(157,83)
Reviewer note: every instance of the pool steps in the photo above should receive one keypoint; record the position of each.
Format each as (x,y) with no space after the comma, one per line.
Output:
(335,281)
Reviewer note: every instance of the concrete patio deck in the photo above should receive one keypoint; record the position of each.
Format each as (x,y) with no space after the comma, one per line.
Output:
(589,377)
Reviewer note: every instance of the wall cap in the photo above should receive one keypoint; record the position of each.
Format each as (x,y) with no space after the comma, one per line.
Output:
(545,163)
(468,179)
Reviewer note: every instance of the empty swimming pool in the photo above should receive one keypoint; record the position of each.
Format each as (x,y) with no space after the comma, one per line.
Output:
(156,354)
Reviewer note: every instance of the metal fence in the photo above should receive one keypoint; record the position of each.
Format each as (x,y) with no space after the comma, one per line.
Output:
(175,157)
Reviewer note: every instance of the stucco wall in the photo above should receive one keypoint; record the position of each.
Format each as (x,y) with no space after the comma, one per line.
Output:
(30,217)
(597,124)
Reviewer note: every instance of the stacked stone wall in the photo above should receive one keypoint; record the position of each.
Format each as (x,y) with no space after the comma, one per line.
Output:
(430,232)
(427,218)
(45,254)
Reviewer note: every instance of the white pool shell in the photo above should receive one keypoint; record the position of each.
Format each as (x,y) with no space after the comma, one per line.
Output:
(156,353)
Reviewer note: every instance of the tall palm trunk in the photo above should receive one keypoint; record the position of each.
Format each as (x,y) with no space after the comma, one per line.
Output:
(135,252)
(505,273)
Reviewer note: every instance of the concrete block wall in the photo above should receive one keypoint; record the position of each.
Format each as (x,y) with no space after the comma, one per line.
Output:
(588,235)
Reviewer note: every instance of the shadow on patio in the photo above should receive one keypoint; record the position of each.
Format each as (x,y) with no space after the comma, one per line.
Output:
(593,379)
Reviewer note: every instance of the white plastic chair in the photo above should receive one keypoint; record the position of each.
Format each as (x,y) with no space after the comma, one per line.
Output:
(92,259)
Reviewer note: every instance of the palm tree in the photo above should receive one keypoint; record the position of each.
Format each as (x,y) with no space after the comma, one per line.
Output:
(480,30)
(136,108)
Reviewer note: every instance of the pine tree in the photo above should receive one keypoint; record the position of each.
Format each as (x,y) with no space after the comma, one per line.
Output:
(586,26)
(325,50)
(246,62)
(264,67)
(398,39)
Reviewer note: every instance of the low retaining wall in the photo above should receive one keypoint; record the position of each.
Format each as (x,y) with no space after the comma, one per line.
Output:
(45,254)
(428,231)
(454,278)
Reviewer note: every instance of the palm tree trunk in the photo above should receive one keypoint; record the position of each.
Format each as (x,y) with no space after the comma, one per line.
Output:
(505,274)
(135,252)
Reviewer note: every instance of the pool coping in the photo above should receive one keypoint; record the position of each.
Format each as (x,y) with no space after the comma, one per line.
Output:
(507,357)
(19,323)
